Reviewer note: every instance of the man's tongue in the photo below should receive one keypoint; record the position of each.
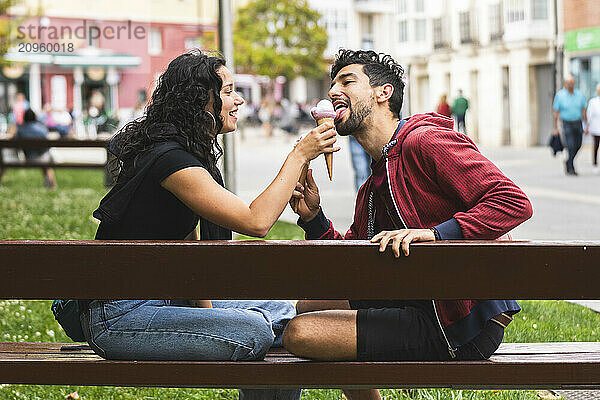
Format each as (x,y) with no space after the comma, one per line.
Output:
(339,114)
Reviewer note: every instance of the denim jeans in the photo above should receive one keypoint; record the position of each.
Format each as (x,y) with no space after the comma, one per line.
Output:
(361,163)
(573,131)
(171,330)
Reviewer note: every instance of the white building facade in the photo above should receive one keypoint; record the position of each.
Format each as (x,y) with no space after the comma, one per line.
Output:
(499,52)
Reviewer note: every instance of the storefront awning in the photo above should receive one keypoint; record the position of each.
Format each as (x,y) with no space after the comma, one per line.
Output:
(76,60)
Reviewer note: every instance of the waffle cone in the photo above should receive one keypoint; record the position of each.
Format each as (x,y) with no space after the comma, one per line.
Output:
(328,156)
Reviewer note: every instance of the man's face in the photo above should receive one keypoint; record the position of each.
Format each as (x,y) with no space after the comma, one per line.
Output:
(570,83)
(353,99)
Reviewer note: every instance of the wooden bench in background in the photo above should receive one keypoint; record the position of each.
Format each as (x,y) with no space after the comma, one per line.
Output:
(40,144)
(299,270)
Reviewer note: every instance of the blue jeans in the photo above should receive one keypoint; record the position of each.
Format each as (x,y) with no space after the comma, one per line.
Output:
(171,330)
(573,131)
(361,163)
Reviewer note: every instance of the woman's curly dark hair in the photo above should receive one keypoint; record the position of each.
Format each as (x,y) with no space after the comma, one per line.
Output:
(176,112)
(379,67)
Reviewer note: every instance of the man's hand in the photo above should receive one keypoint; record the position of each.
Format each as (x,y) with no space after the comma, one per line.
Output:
(555,133)
(307,197)
(402,237)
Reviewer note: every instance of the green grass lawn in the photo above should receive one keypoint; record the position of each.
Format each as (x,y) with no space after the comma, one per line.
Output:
(27,210)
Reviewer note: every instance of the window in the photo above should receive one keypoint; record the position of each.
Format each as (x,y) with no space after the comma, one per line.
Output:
(401,6)
(403,31)
(515,11)
(155,42)
(439,37)
(367,32)
(539,9)
(419,5)
(496,26)
(420,27)
(465,27)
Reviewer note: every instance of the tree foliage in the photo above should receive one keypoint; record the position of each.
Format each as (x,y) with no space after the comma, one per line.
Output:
(279,37)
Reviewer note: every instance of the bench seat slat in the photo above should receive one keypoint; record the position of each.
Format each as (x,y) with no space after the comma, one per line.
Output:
(45,363)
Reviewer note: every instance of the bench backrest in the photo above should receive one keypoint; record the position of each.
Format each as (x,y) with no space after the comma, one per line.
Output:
(38,269)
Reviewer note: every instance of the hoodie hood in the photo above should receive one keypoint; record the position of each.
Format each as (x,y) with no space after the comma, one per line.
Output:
(415,122)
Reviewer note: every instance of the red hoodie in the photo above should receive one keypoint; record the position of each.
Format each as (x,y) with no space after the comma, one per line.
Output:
(438,178)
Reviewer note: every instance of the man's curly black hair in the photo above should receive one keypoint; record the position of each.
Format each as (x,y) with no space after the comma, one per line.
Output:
(176,112)
(379,67)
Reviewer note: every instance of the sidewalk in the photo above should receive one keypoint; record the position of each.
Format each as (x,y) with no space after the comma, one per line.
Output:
(258,159)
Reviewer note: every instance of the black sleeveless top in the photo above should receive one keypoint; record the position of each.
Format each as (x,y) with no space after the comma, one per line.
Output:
(138,207)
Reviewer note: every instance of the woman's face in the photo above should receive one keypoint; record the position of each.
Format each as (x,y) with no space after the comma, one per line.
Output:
(230,99)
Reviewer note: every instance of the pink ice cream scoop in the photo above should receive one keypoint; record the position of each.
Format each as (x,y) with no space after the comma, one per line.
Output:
(322,113)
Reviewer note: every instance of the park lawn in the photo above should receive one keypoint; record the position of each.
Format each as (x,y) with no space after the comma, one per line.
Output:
(28,211)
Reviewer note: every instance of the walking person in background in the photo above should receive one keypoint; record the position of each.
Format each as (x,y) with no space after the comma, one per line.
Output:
(443,107)
(459,108)
(569,106)
(593,125)
(361,163)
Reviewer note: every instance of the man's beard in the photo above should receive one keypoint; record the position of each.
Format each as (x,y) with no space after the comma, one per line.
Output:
(355,119)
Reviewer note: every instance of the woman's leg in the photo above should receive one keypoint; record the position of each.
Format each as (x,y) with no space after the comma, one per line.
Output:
(277,312)
(155,330)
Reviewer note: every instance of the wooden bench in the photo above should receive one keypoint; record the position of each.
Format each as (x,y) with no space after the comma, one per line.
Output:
(40,144)
(301,269)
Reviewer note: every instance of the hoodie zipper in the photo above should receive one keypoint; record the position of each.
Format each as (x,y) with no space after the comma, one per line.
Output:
(451,350)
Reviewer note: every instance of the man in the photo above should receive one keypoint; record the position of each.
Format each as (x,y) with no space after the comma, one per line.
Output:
(461,104)
(425,177)
(569,106)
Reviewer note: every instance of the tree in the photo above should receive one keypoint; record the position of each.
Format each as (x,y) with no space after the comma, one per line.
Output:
(5,27)
(279,37)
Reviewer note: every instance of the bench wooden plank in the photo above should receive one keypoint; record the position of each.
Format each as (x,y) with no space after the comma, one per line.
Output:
(47,143)
(34,164)
(42,363)
(297,269)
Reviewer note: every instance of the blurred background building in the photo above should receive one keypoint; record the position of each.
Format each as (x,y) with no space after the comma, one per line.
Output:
(507,56)
(112,49)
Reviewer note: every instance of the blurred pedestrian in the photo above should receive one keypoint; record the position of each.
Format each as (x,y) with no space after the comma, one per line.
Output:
(459,108)
(593,125)
(265,115)
(361,163)
(569,106)
(19,107)
(443,107)
(32,129)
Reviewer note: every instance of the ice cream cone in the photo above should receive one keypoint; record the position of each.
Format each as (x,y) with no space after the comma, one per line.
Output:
(328,156)
(324,112)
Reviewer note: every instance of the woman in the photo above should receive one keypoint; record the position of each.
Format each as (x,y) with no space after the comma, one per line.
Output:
(443,107)
(593,125)
(32,129)
(169,181)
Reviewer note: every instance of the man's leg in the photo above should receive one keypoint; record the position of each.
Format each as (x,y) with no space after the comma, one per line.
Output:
(326,335)
(578,139)
(323,335)
(570,144)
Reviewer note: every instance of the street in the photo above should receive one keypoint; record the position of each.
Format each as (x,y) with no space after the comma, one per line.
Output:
(565,207)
